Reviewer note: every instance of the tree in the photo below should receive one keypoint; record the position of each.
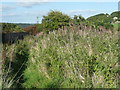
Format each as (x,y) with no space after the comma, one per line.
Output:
(81,18)
(10,27)
(55,20)
(78,19)
(39,27)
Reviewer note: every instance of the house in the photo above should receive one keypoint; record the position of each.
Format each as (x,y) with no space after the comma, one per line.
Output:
(115,18)
(31,29)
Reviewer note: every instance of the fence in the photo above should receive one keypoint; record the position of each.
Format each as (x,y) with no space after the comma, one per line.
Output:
(10,38)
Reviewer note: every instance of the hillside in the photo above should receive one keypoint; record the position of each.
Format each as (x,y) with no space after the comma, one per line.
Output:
(23,25)
(115,14)
(105,18)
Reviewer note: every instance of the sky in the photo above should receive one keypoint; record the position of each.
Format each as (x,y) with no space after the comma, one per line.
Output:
(27,11)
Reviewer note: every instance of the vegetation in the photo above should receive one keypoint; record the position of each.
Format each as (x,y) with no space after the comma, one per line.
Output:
(104,19)
(55,20)
(115,14)
(101,20)
(15,57)
(23,25)
(77,20)
(10,27)
(71,57)
(68,59)
(117,26)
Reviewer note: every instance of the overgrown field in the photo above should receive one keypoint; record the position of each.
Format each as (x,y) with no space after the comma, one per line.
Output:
(65,59)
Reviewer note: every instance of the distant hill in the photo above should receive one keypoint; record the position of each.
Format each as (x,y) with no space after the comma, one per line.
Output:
(23,25)
(115,14)
(105,18)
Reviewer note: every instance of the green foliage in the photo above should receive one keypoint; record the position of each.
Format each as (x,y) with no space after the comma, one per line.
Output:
(39,27)
(117,26)
(55,20)
(9,27)
(23,25)
(115,14)
(104,19)
(68,59)
(15,57)
(101,20)
(99,17)
(78,19)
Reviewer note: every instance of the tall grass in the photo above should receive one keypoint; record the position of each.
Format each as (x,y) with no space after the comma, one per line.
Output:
(14,58)
(68,58)
(73,59)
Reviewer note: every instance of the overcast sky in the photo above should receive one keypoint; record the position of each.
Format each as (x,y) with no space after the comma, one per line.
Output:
(27,11)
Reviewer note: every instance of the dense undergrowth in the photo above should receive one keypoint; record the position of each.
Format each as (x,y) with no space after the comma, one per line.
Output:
(65,59)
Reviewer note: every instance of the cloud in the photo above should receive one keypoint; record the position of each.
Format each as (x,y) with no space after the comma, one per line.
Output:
(28,4)
(87,0)
(36,13)
(9,15)
(85,13)
(119,5)
(35,0)
(6,7)
(31,3)
(8,0)
(82,11)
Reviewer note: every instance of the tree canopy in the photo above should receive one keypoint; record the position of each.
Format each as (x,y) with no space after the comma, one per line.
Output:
(55,20)
(77,19)
(10,27)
